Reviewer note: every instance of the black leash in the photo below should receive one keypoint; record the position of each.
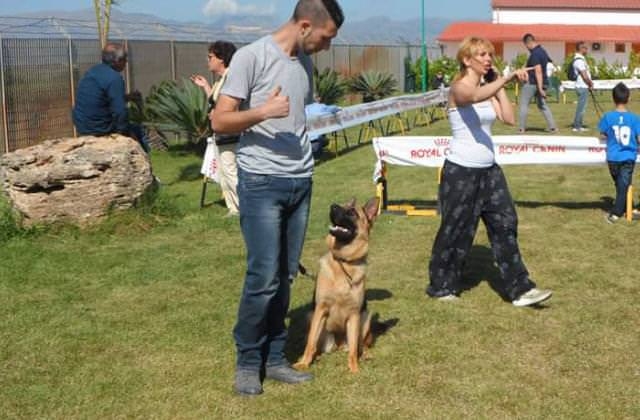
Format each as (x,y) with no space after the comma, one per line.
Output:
(344,270)
(596,105)
(303,270)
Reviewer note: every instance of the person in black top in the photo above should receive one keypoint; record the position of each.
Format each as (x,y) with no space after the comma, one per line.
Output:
(535,87)
(438,81)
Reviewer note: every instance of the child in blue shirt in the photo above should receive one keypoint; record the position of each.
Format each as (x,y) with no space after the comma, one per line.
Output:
(621,129)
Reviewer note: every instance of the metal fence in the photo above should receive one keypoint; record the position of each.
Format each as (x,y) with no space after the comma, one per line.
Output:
(39,77)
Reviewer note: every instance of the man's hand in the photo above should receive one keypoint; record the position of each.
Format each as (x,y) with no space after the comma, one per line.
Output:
(134,96)
(276,106)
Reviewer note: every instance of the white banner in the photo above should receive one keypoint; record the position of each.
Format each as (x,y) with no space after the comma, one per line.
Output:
(604,84)
(210,163)
(358,114)
(509,150)
(350,116)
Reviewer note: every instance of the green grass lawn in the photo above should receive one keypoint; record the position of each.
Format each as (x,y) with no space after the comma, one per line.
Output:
(132,318)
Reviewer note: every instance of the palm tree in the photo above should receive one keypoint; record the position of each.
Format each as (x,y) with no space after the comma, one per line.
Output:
(103,18)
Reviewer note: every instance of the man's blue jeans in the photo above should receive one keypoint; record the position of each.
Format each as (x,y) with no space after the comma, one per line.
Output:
(622,173)
(273,217)
(583,95)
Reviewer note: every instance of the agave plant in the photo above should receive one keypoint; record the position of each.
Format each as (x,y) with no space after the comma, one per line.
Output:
(373,85)
(177,107)
(328,86)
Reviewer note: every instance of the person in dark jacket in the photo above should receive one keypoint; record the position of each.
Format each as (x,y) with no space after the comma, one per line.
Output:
(438,81)
(101,101)
(536,84)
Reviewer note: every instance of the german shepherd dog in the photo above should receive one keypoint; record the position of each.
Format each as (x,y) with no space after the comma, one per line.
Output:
(340,315)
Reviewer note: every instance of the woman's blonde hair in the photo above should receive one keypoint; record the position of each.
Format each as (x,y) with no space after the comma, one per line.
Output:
(467,49)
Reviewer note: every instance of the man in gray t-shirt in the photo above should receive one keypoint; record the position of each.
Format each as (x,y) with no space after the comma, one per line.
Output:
(279,146)
(268,85)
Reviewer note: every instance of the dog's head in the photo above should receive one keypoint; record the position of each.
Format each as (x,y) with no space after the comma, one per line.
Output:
(350,225)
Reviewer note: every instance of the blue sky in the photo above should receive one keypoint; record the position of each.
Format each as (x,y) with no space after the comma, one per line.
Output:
(205,10)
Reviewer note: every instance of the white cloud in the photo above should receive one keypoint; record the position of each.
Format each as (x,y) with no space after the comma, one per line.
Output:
(233,7)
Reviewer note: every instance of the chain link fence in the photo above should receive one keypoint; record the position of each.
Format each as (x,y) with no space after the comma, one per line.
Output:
(39,76)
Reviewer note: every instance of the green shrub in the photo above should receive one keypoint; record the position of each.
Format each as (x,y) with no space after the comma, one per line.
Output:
(448,66)
(499,64)
(634,61)
(11,225)
(604,70)
(373,85)
(179,108)
(328,86)
(600,69)
(519,61)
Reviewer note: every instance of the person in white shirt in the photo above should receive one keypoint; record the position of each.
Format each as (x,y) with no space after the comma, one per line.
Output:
(583,85)
(551,68)
(218,60)
(473,186)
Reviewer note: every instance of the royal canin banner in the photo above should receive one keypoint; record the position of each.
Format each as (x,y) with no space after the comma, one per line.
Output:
(509,150)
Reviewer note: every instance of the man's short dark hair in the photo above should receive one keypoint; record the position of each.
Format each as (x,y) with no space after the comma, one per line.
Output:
(113,54)
(528,38)
(620,94)
(223,50)
(319,11)
(580,44)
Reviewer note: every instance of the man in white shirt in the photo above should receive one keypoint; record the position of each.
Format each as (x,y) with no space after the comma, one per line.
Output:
(583,85)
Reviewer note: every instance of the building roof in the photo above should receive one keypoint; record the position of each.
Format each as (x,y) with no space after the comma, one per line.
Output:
(543,32)
(567,4)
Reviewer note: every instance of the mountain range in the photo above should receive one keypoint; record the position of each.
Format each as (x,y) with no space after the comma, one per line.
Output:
(387,31)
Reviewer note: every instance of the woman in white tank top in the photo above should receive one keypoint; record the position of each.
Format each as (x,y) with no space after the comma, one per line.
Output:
(473,186)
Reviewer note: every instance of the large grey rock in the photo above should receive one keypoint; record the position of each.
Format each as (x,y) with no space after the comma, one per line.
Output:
(75,179)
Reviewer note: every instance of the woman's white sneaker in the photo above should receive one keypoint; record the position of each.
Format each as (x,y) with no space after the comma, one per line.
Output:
(532,297)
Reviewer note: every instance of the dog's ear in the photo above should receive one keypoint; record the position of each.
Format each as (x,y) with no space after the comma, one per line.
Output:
(371,208)
(351,203)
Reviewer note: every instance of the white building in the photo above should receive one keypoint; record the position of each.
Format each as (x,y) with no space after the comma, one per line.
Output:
(610,27)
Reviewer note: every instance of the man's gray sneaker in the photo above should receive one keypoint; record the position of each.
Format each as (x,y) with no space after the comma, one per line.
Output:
(532,297)
(247,382)
(286,374)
